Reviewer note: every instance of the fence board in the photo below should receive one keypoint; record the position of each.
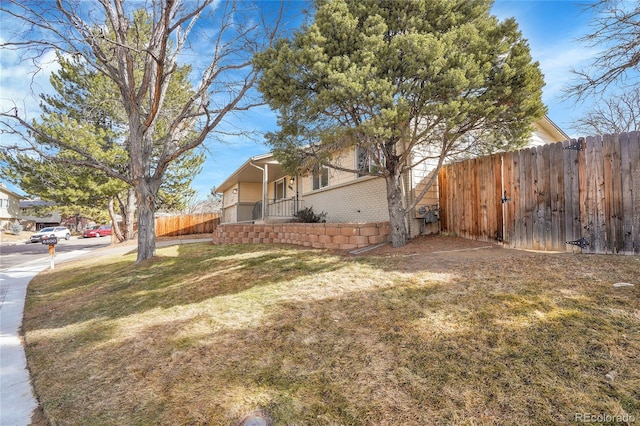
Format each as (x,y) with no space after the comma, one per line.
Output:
(509,168)
(530,213)
(626,193)
(498,185)
(558,194)
(599,234)
(572,196)
(556,197)
(634,161)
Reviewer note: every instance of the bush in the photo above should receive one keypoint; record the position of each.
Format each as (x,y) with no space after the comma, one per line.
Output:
(14,228)
(307,215)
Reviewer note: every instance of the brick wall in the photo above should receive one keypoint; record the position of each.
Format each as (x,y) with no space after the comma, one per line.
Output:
(339,236)
(362,200)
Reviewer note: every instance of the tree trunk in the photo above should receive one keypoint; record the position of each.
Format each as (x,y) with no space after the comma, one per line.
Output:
(145,196)
(129,214)
(397,212)
(115,226)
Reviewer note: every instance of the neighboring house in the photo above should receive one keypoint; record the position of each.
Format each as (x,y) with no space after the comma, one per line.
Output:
(260,192)
(9,206)
(32,221)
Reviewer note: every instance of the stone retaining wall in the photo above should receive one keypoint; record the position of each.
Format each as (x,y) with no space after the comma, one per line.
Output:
(338,236)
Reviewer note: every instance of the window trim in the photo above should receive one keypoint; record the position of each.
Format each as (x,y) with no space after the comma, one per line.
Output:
(371,166)
(319,176)
(277,183)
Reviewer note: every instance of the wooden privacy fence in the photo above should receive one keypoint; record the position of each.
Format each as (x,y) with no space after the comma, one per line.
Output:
(200,223)
(569,196)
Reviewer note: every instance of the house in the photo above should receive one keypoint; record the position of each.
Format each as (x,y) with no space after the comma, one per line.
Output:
(32,220)
(260,192)
(9,206)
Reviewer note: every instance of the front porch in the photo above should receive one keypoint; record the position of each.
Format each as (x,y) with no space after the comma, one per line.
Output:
(260,192)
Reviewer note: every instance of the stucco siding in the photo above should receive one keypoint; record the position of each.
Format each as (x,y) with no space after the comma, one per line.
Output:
(541,136)
(250,192)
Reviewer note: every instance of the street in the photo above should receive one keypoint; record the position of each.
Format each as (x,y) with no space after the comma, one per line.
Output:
(13,255)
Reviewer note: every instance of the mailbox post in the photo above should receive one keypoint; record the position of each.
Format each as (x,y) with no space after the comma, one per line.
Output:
(51,240)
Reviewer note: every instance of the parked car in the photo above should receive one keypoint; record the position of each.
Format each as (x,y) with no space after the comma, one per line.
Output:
(59,232)
(97,231)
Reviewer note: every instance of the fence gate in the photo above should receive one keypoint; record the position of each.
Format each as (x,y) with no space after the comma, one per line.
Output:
(570,196)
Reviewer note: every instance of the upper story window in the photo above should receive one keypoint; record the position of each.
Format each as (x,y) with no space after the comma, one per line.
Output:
(366,165)
(320,177)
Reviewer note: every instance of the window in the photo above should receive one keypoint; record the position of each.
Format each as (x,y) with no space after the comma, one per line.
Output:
(4,202)
(365,165)
(320,177)
(280,191)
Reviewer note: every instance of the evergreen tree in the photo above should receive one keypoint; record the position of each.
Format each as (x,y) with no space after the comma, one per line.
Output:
(403,82)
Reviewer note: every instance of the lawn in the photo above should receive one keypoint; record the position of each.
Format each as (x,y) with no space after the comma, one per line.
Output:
(427,334)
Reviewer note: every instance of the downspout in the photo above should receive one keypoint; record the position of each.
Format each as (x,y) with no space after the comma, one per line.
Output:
(297,205)
(407,185)
(264,186)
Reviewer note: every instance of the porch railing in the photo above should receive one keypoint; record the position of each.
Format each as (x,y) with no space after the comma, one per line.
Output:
(277,208)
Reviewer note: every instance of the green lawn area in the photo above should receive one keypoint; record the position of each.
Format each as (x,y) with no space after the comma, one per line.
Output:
(208,334)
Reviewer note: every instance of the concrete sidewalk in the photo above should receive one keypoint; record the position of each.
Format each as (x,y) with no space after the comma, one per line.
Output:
(17,401)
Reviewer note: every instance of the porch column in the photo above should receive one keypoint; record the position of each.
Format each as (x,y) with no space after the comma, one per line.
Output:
(265,182)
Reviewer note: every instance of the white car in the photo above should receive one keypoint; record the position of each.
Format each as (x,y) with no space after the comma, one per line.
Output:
(59,232)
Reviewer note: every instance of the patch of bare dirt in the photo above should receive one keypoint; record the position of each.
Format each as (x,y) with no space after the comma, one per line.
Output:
(443,250)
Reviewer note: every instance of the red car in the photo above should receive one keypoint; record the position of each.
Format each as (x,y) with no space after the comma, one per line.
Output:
(97,231)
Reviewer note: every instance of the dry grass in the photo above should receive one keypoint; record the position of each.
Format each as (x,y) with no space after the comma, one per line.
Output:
(207,334)
(6,237)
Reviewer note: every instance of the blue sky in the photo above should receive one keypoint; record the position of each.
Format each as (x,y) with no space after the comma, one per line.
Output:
(551,27)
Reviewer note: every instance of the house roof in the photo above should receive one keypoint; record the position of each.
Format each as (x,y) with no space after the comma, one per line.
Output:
(25,204)
(252,171)
(553,129)
(9,192)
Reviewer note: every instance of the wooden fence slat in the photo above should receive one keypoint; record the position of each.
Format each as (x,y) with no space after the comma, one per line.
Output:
(515,196)
(613,194)
(634,160)
(556,194)
(547,237)
(583,192)
(572,196)
(499,178)
(607,181)
(599,234)
(626,193)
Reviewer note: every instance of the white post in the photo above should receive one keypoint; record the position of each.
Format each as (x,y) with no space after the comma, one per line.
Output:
(265,182)
(52,252)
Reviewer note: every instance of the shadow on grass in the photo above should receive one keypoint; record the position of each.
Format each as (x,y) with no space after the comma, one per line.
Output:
(189,274)
(206,334)
(405,353)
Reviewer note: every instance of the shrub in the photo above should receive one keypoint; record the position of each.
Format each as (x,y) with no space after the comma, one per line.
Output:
(307,215)
(14,228)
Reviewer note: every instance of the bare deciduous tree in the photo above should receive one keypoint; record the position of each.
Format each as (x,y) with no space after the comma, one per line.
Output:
(223,35)
(615,114)
(616,29)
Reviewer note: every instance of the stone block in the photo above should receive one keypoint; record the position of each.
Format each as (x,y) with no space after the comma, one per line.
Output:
(359,240)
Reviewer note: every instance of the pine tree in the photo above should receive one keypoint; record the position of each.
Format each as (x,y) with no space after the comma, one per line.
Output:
(403,82)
